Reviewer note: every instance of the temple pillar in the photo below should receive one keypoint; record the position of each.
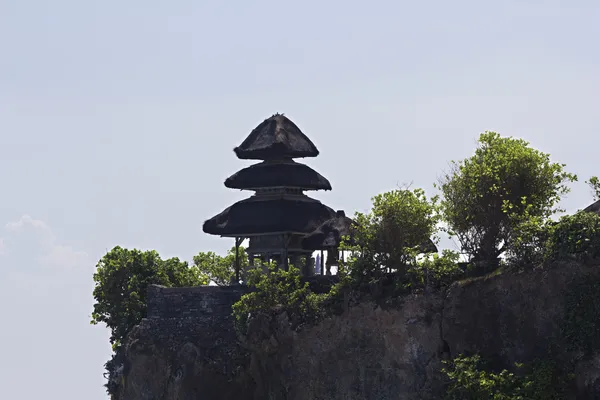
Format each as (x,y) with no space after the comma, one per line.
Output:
(310,265)
(331,260)
(237,260)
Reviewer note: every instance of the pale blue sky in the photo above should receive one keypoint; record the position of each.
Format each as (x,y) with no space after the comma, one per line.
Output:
(118,120)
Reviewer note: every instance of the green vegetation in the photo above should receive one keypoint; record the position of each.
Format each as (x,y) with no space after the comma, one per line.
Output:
(121,280)
(387,238)
(594,184)
(487,196)
(471,379)
(218,269)
(574,237)
(278,288)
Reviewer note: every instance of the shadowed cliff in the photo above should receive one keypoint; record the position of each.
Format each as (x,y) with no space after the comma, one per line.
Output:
(187,347)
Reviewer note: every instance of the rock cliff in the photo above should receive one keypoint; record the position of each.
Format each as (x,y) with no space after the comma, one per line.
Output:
(367,352)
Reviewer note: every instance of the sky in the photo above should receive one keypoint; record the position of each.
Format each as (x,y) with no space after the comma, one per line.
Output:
(118,120)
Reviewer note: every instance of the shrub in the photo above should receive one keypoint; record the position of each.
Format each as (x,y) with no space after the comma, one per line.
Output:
(277,289)
(529,246)
(574,237)
(470,379)
(400,223)
(436,271)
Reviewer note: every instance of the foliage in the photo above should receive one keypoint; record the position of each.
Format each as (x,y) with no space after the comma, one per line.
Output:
(277,289)
(220,270)
(388,237)
(471,380)
(503,185)
(594,184)
(529,245)
(575,237)
(436,271)
(121,280)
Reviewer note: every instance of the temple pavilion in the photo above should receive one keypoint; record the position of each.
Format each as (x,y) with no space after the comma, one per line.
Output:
(279,216)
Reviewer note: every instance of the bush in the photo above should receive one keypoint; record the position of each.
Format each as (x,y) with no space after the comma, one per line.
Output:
(574,237)
(529,246)
(470,379)
(470,382)
(436,271)
(399,225)
(277,289)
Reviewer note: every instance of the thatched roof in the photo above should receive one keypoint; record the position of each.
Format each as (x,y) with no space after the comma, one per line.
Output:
(260,216)
(267,175)
(275,138)
(330,233)
(594,207)
(428,247)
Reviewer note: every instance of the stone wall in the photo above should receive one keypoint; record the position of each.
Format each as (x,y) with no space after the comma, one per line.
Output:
(187,346)
(192,302)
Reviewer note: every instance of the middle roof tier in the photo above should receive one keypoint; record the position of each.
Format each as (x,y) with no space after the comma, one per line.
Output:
(271,174)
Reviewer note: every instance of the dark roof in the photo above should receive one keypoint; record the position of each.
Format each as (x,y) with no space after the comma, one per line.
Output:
(330,233)
(275,138)
(428,247)
(290,174)
(594,207)
(259,216)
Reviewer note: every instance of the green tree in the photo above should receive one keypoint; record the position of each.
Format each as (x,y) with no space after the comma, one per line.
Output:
(121,280)
(278,288)
(471,378)
(594,184)
(220,269)
(504,184)
(399,223)
(470,381)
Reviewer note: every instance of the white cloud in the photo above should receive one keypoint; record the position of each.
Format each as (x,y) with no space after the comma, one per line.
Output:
(46,297)
(28,246)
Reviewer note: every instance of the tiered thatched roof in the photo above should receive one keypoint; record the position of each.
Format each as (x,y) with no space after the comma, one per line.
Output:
(258,215)
(594,207)
(330,233)
(276,138)
(268,175)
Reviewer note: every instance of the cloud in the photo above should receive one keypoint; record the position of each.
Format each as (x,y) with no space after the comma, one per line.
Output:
(30,253)
(45,302)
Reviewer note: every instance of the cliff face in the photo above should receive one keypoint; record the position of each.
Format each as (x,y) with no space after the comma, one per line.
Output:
(367,352)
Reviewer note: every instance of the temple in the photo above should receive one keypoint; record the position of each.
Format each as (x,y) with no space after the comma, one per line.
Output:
(280,221)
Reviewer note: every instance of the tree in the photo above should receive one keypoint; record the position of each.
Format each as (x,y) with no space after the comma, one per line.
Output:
(594,184)
(399,222)
(487,196)
(121,280)
(219,269)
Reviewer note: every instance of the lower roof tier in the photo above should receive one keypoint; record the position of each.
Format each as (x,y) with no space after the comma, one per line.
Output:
(281,174)
(330,233)
(257,215)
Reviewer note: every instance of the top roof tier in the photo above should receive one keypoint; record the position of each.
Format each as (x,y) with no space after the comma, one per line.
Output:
(276,138)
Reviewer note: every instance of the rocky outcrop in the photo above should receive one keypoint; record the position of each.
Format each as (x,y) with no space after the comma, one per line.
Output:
(367,352)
